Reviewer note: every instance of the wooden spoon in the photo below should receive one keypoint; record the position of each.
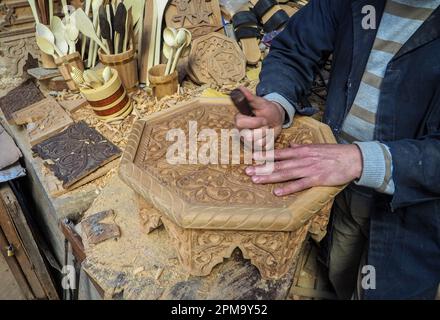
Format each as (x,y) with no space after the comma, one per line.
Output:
(160,6)
(170,39)
(72,34)
(183,39)
(44,32)
(84,40)
(85,26)
(104,25)
(107,74)
(45,46)
(119,26)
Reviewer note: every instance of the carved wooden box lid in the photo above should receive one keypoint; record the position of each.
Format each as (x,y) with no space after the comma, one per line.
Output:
(216,59)
(216,196)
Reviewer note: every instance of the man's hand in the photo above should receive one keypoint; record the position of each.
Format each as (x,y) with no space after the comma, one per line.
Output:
(268,114)
(308,166)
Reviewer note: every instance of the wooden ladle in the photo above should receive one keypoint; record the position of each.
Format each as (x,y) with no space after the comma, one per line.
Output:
(44,32)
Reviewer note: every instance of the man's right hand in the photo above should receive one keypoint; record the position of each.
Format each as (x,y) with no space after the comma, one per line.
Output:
(268,115)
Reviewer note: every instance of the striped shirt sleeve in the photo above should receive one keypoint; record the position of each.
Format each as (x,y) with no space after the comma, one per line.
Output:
(377,167)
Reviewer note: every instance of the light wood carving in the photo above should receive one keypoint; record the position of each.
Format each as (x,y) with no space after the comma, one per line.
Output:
(218,197)
(198,16)
(216,59)
(45,119)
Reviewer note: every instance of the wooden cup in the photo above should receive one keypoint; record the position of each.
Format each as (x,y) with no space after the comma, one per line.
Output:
(65,64)
(162,85)
(46,61)
(126,65)
(110,101)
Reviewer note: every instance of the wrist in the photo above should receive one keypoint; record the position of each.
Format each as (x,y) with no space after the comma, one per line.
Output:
(357,162)
(281,112)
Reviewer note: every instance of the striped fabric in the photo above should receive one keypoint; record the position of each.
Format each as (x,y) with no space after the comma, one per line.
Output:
(400,21)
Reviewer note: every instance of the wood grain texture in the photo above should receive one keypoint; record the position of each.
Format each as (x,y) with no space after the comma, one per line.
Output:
(145,44)
(214,196)
(96,230)
(198,16)
(46,117)
(216,59)
(22,96)
(76,152)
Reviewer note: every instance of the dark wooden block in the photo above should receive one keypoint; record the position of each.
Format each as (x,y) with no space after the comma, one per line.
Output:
(19,98)
(76,152)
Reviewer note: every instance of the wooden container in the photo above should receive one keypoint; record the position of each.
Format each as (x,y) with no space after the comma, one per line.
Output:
(162,85)
(47,61)
(126,65)
(110,101)
(65,65)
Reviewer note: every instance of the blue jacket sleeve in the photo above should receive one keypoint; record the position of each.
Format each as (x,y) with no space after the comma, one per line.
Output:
(308,37)
(416,162)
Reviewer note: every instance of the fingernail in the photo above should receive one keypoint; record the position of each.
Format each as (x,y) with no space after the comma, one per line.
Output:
(278,192)
(250,171)
(256,179)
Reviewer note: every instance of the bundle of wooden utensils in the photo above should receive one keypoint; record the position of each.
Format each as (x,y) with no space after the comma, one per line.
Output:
(90,79)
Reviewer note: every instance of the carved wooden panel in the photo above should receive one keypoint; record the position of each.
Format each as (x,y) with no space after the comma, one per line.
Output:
(216,196)
(216,59)
(198,16)
(44,118)
(20,97)
(76,152)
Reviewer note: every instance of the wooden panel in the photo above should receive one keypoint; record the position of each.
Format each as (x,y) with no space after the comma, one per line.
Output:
(16,215)
(47,118)
(19,98)
(15,268)
(76,152)
(20,252)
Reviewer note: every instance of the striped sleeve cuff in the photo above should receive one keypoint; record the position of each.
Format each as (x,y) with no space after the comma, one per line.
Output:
(287,106)
(377,167)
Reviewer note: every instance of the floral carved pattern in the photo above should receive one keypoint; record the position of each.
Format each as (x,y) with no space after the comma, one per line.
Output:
(76,152)
(216,59)
(211,183)
(215,196)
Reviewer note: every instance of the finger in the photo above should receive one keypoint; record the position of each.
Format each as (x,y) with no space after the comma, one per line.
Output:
(277,166)
(248,94)
(281,176)
(280,154)
(245,122)
(301,151)
(294,187)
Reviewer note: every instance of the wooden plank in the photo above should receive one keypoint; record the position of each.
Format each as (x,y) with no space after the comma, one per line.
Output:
(145,45)
(21,255)
(16,269)
(27,238)
(68,229)
(43,73)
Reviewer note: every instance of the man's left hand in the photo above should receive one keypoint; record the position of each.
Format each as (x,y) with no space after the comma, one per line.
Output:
(307,166)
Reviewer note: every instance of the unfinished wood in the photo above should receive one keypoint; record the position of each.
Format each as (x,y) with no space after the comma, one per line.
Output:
(129,268)
(68,229)
(96,230)
(216,59)
(198,16)
(20,251)
(22,96)
(55,187)
(145,44)
(15,268)
(44,118)
(43,74)
(72,105)
(76,152)
(150,217)
(29,244)
(215,196)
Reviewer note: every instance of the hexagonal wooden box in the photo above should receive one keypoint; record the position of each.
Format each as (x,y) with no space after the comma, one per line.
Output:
(202,204)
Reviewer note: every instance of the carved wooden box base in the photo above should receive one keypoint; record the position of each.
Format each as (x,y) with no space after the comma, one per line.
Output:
(271,252)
